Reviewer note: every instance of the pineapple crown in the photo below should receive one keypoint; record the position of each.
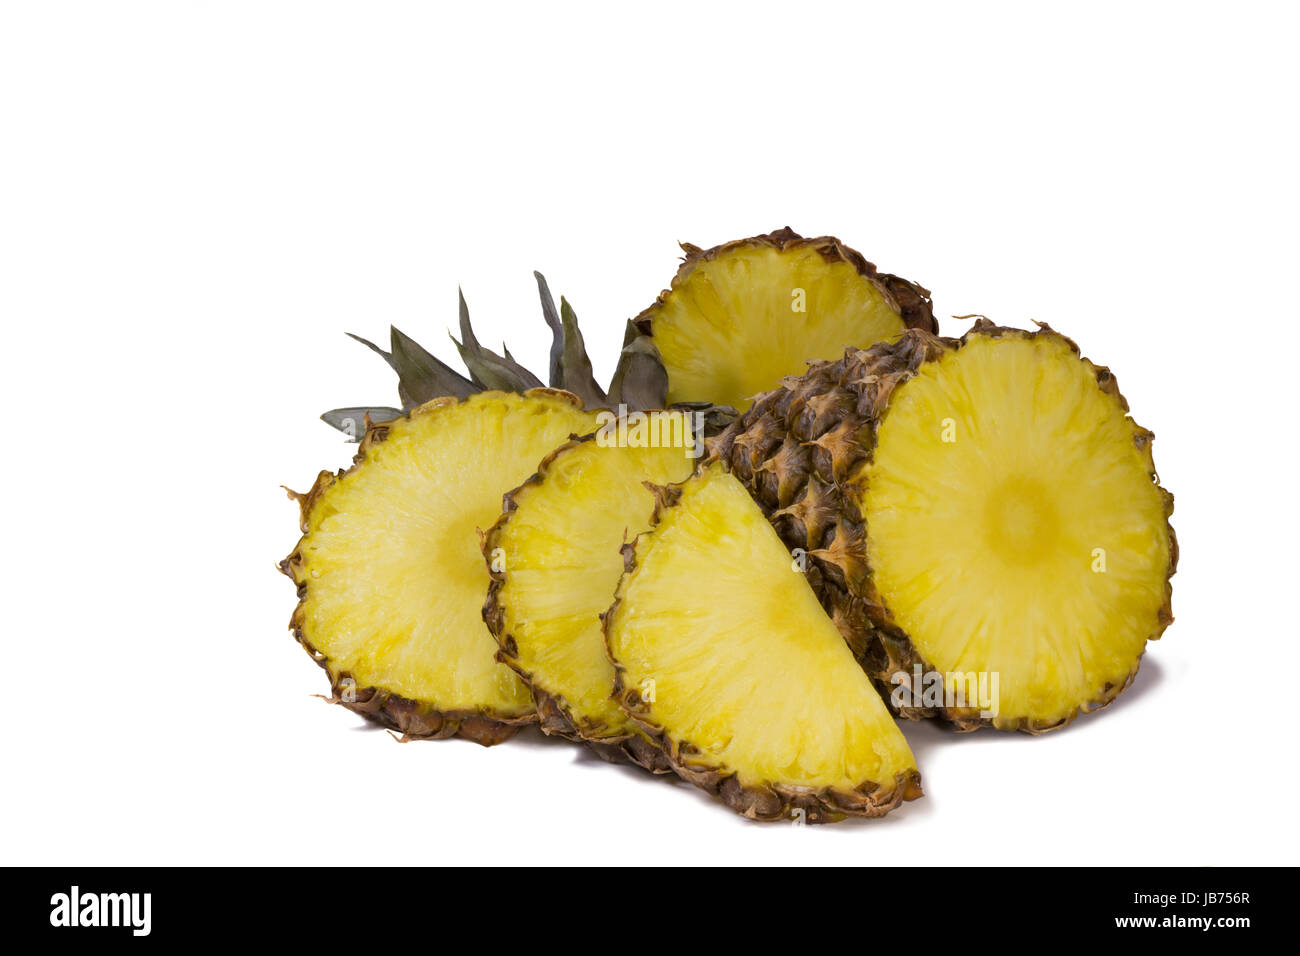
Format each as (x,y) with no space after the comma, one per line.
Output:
(640,381)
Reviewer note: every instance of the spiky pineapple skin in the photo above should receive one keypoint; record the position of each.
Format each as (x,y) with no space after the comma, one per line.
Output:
(768,802)
(796,450)
(911,300)
(411,718)
(555,713)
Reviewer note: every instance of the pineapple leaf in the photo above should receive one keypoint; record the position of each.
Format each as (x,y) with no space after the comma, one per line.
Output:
(640,380)
(552,317)
(575,369)
(352,421)
(486,368)
(421,377)
(386,356)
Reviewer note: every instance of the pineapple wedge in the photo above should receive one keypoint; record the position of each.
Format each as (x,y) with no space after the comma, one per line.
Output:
(724,657)
(389,572)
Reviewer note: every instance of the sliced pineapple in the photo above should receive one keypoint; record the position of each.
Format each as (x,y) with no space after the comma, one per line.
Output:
(741,316)
(389,572)
(556,562)
(724,656)
(982,513)
(1015,528)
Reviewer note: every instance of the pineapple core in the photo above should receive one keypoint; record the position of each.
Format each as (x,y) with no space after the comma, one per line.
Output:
(732,654)
(395,578)
(739,323)
(561,561)
(1014,524)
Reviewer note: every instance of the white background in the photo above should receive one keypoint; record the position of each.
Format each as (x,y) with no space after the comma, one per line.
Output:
(197,200)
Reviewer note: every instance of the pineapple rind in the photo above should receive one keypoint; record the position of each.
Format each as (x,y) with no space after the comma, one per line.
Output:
(702,764)
(802,451)
(486,724)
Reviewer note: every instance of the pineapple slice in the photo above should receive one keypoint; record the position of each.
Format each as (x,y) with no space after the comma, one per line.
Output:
(389,573)
(724,656)
(741,316)
(1030,540)
(980,512)
(555,565)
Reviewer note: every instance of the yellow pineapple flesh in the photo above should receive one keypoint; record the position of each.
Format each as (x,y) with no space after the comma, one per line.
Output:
(726,658)
(742,316)
(1014,527)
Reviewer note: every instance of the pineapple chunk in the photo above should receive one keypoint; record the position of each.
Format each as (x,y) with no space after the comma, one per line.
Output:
(556,563)
(725,656)
(1014,527)
(390,574)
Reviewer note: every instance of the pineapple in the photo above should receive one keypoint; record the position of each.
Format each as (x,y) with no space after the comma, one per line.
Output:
(389,572)
(387,604)
(555,565)
(723,655)
(741,316)
(977,508)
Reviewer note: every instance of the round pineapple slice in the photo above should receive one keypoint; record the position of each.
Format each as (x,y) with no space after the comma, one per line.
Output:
(725,657)
(389,572)
(741,316)
(1015,527)
(986,521)
(556,562)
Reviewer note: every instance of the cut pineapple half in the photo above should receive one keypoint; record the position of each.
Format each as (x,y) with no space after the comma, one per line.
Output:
(1015,527)
(556,562)
(389,571)
(724,656)
(741,316)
